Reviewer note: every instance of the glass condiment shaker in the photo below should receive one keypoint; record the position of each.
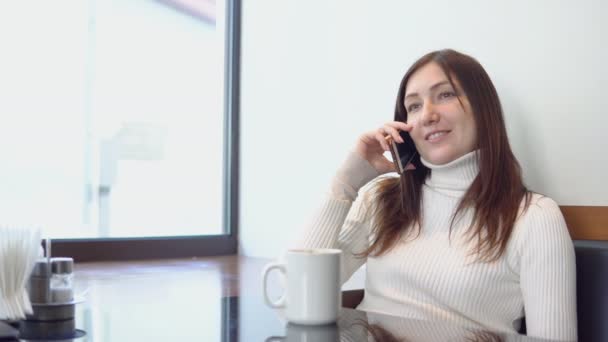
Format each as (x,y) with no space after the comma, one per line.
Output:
(39,288)
(62,278)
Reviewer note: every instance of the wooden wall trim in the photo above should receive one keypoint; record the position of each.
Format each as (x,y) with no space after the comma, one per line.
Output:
(586,222)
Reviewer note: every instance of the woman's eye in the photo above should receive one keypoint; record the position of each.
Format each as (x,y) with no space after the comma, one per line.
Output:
(446,94)
(412,107)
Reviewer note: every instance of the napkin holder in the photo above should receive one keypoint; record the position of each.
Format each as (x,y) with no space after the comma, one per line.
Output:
(51,319)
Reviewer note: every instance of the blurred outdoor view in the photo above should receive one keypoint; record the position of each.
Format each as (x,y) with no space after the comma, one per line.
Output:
(112,117)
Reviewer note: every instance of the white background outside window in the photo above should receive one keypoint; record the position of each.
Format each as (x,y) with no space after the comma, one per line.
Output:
(125,96)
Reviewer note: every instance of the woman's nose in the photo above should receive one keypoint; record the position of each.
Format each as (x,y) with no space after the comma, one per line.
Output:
(429,114)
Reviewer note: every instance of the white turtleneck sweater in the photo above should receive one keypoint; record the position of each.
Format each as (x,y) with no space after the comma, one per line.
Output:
(433,277)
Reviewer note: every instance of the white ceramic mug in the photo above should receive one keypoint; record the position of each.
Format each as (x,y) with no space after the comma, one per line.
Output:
(303,333)
(313,293)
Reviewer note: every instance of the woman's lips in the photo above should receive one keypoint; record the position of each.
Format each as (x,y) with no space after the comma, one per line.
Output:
(436,136)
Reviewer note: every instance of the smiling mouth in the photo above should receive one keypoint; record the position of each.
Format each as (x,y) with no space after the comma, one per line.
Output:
(436,135)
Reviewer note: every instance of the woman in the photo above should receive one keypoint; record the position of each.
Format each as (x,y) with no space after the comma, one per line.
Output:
(456,237)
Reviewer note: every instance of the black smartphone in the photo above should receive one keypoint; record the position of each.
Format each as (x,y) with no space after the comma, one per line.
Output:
(403,153)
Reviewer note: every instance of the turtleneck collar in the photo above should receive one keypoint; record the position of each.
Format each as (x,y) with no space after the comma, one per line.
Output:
(455,177)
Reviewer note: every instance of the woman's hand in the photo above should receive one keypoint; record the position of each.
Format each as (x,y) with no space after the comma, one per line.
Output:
(372,145)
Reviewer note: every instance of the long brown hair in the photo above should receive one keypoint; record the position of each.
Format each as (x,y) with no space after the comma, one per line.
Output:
(496,193)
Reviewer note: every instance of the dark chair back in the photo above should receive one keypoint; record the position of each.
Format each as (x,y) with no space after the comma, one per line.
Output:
(592,289)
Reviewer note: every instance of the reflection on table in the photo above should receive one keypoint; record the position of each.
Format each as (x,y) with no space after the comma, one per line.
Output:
(248,319)
(355,325)
(186,300)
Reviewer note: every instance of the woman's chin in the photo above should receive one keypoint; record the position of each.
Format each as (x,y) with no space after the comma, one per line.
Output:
(440,157)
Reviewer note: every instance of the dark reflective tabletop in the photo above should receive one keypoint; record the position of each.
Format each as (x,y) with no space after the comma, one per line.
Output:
(254,322)
(249,319)
(221,300)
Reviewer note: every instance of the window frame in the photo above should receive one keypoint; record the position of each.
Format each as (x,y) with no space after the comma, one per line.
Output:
(114,249)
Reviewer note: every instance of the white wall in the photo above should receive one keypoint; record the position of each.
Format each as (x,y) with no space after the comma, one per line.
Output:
(317,73)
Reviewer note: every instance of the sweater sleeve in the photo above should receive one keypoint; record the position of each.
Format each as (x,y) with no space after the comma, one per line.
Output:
(342,220)
(548,273)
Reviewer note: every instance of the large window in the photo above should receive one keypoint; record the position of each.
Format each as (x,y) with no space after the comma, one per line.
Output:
(119,117)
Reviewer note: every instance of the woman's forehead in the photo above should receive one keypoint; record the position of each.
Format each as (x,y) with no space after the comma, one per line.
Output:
(428,77)
(425,77)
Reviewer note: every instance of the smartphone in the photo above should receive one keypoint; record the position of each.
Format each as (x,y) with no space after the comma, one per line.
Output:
(403,153)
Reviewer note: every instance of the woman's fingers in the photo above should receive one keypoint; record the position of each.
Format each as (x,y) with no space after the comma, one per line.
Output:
(401,126)
(380,136)
(393,128)
(393,132)
(372,145)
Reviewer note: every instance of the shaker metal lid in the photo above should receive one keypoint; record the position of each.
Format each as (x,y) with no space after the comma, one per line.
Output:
(62,265)
(41,268)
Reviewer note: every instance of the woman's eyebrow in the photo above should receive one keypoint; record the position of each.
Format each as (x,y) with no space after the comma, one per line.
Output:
(433,87)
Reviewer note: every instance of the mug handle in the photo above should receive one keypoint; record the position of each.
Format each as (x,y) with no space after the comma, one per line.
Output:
(275,338)
(281,267)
